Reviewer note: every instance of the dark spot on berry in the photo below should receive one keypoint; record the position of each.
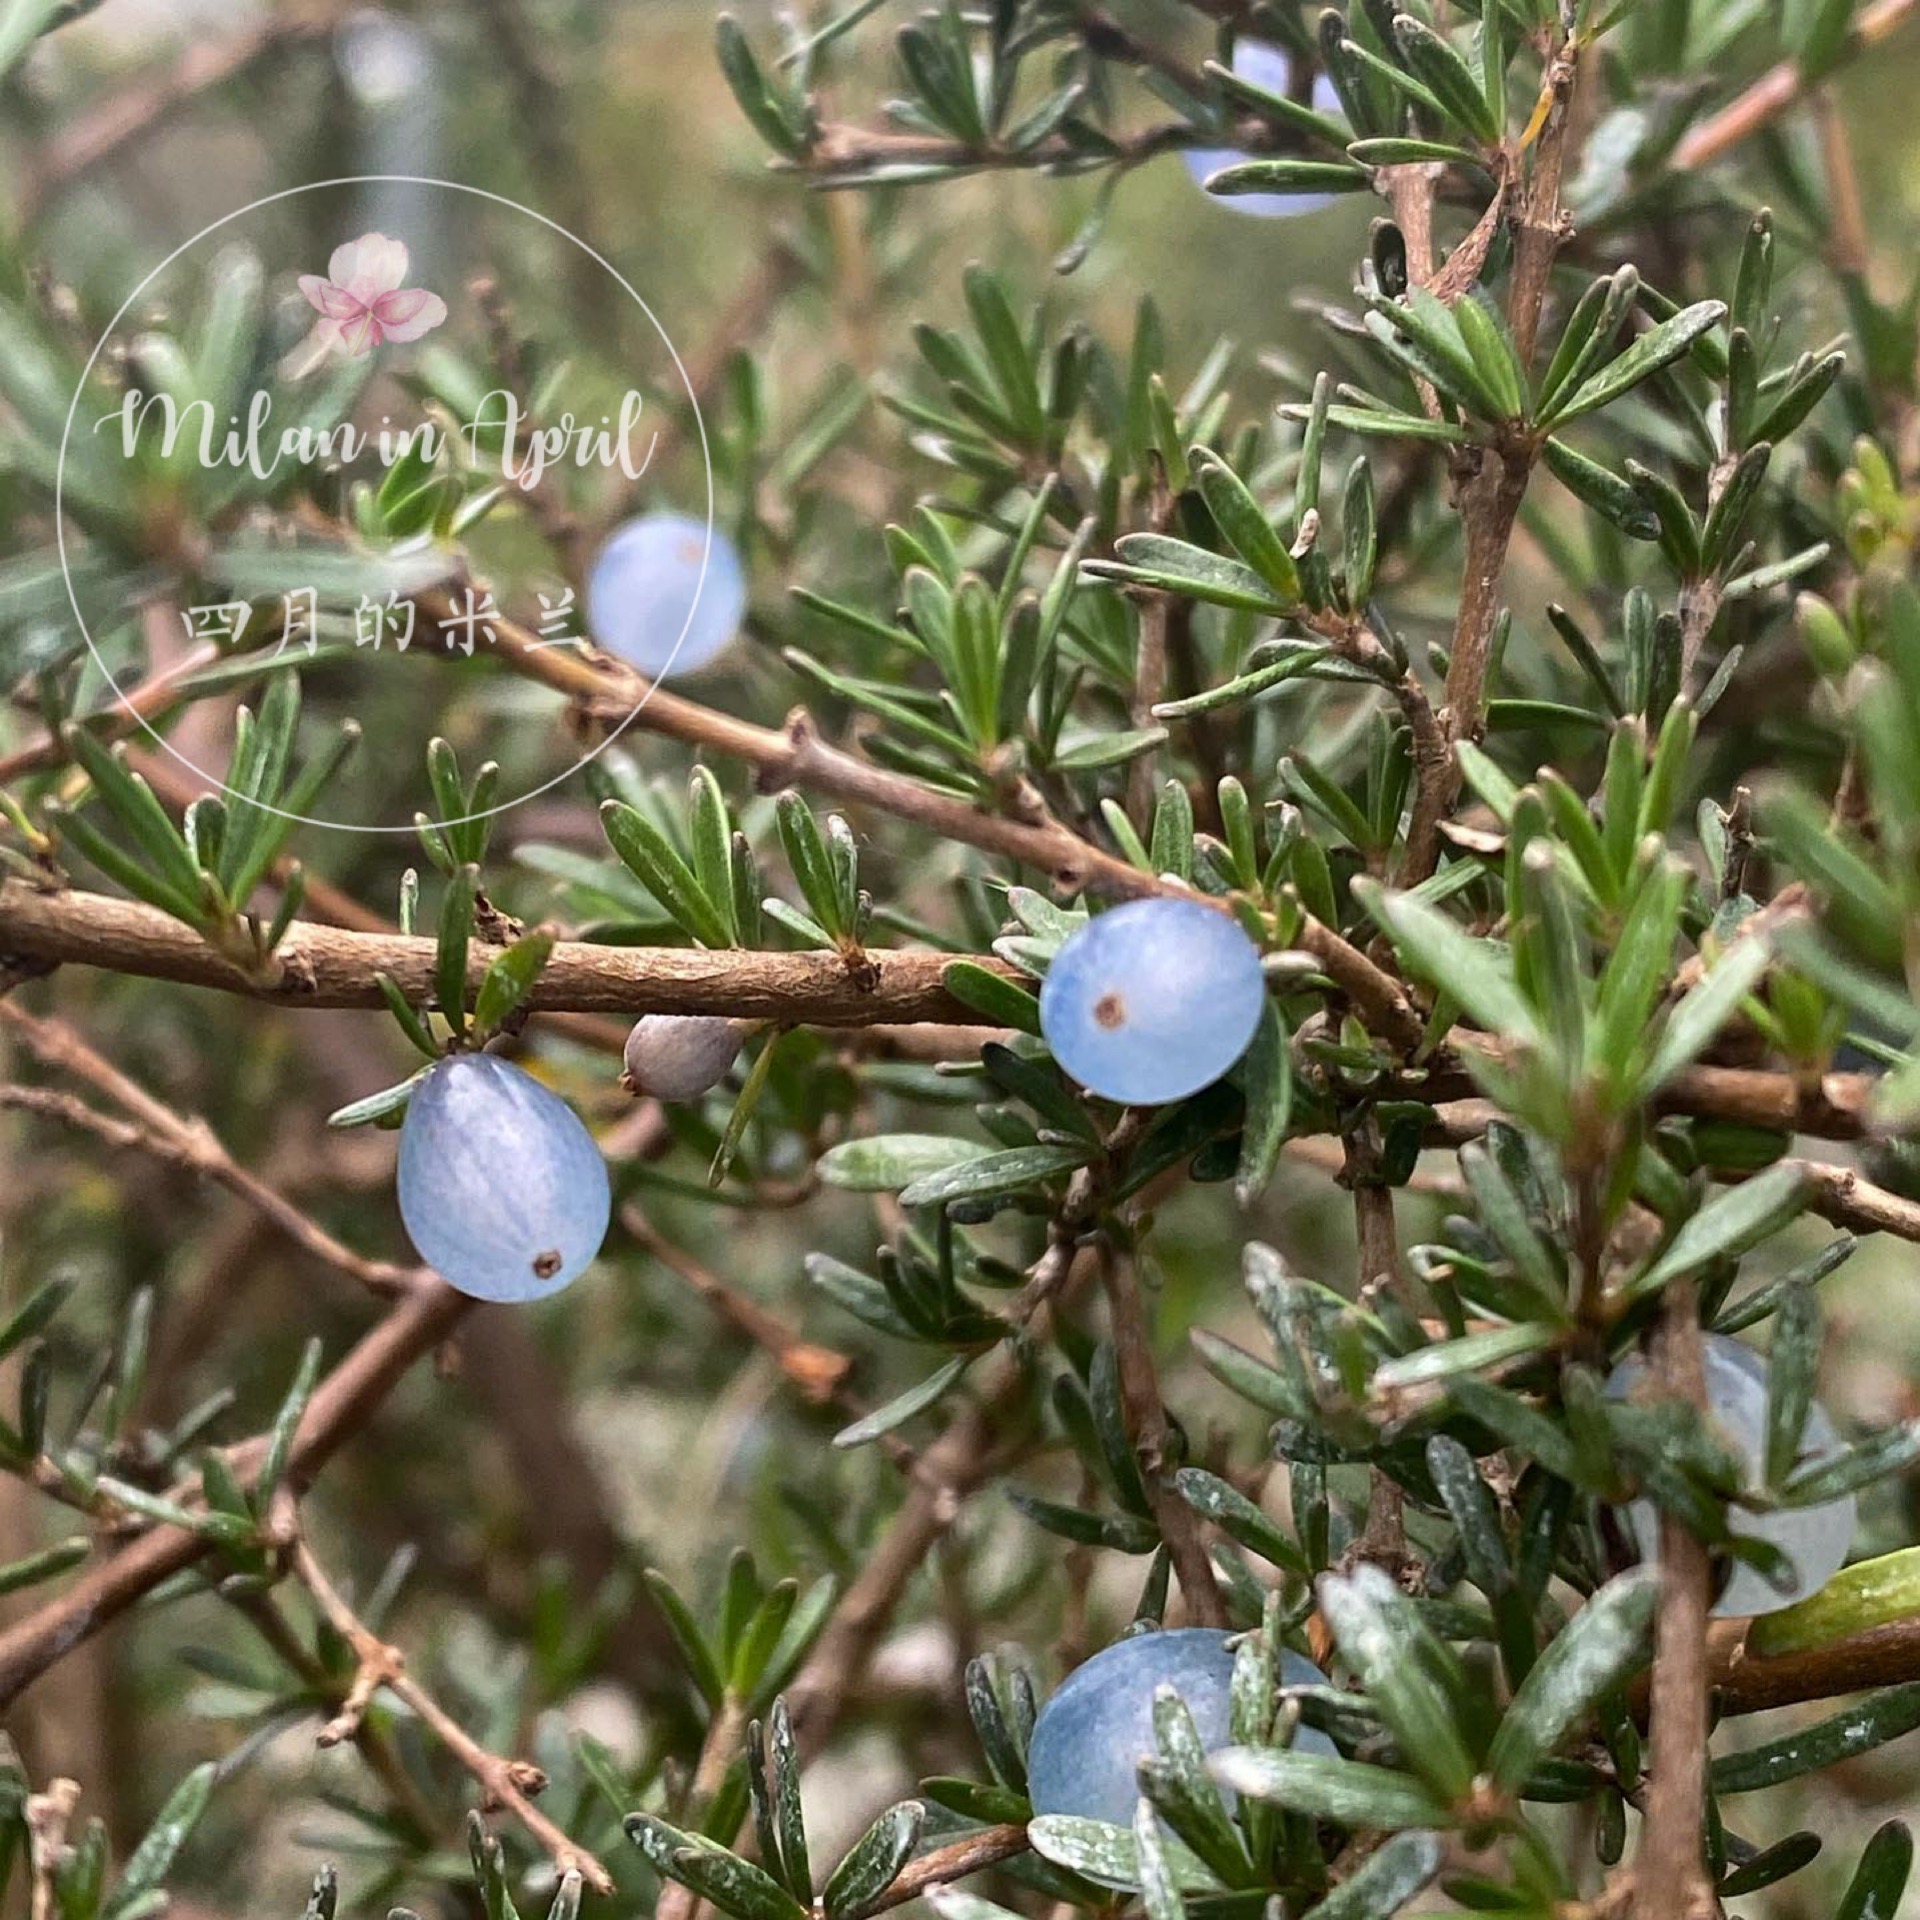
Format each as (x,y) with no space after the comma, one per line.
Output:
(546,1265)
(1110,1011)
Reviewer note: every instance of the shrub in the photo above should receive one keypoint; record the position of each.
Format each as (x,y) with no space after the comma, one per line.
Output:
(1473,800)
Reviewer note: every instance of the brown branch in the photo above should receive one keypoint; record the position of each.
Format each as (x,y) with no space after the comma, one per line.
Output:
(146,702)
(1835,1106)
(1849,1199)
(335,967)
(1881,1656)
(819,1372)
(507,1783)
(1778,89)
(796,756)
(127,116)
(1490,496)
(1409,192)
(183,1140)
(1147,1428)
(330,966)
(1669,1875)
(1847,244)
(954,1861)
(427,1312)
(1375,994)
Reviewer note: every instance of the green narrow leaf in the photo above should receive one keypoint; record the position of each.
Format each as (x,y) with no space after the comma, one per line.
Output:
(1880,1880)
(751,1091)
(47,1564)
(1177,566)
(1859,1729)
(1447,76)
(897,1412)
(1659,346)
(691,1642)
(645,852)
(873,1863)
(286,1428)
(1413,1679)
(1240,517)
(1326,1788)
(887,1162)
(1267,1076)
(1386,1880)
(1728,1225)
(34,1312)
(151,1861)
(991,1173)
(1602,1644)
(510,979)
(1474,972)
(450,950)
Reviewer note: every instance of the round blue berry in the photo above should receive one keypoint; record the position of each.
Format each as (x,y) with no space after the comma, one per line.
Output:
(1269,67)
(1093,1733)
(502,1189)
(1152,1001)
(1815,1539)
(666,596)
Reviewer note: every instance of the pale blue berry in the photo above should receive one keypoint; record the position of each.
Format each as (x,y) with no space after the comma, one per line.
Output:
(1815,1539)
(1269,67)
(1093,1733)
(502,1189)
(666,596)
(1152,1001)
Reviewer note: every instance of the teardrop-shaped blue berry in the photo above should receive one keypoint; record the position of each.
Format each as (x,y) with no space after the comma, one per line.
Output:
(502,1189)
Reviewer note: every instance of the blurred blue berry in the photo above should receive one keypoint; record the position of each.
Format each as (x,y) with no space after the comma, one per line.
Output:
(662,598)
(1093,1733)
(1815,1539)
(502,1189)
(1152,1001)
(1269,67)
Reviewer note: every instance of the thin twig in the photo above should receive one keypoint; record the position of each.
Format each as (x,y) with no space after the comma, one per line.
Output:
(1669,1875)
(1490,496)
(796,756)
(958,1858)
(506,1783)
(819,1372)
(379,1752)
(125,117)
(1849,1199)
(1779,88)
(1375,994)
(1847,244)
(183,1140)
(341,1405)
(1147,1428)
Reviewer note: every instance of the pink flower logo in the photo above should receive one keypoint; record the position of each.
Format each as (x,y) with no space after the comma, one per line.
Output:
(362,300)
